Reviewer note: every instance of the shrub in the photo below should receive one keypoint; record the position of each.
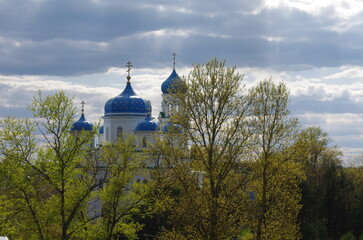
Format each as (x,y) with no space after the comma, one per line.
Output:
(348,236)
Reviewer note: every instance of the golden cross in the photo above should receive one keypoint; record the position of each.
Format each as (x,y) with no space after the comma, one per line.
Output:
(174,55)
(83,103)
(129,66)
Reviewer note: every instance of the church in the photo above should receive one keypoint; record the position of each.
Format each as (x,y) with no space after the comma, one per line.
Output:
(130,114)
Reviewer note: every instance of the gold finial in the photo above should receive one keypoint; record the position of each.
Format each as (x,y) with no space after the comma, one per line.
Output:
(174,55)
(83,103)
(129,66)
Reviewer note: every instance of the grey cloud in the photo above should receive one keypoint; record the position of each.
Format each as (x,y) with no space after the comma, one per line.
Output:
(80,37)
(301,104)
(86,20)
(17,112)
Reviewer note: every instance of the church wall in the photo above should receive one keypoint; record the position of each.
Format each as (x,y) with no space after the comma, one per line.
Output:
(113,123)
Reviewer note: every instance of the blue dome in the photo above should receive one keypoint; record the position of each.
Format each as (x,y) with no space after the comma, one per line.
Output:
(147,125)
(101,130)
(82,124)
(171,83)
(166,127)
(127,103)
(170,127)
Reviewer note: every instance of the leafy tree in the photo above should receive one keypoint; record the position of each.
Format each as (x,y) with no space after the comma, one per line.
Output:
(348,236)
(276,175)
(327,190)
(52,186)
(20,196)
(201,180)
(46,181)
(6,227)
(64,164)
(124,192)
(349,212)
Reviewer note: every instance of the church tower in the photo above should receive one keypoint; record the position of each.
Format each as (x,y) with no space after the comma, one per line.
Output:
(168,103)
(123,112)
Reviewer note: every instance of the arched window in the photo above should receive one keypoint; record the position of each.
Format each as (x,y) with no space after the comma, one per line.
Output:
(119,132)
(107,134)
(144,142)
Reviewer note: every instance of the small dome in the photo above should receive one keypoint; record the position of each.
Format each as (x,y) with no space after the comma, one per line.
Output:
(171,83)
(127,103)
(101,130)
(82,124)
(166,127)
(147,125)
(170,127)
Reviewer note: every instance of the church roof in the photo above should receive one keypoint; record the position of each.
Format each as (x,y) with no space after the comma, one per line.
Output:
(127,102)
(172,83)
(82,124)
(171,128)
(101,130)
(147,125)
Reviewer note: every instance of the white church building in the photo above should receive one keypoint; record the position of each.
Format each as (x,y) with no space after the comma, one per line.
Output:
(128,113)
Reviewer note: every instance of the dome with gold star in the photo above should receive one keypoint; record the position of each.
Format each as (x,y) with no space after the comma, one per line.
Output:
(127,103)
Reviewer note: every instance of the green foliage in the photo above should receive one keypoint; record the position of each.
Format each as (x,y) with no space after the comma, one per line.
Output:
(6,226)
(331,193)
(348,236)
(275,173)
(20,184)
(230,144)
(51,189)
(199,183)
(123,195)
(246,235)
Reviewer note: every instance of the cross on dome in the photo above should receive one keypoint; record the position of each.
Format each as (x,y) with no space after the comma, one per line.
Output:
(127,102)
(129,66)
(82,123)
(83,103)
(174,55)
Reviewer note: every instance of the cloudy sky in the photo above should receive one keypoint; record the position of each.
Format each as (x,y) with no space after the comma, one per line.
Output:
(315,46)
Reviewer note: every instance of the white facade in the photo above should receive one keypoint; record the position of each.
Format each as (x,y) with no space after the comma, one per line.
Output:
(116,126)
